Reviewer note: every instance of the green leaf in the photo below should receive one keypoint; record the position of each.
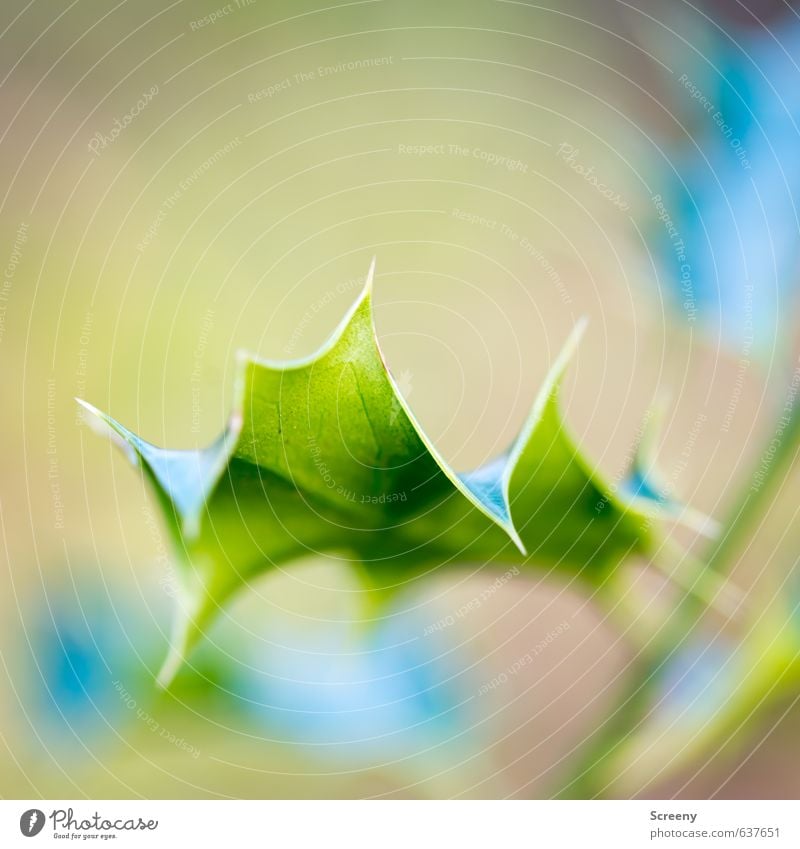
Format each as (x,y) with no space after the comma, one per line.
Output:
(323,455)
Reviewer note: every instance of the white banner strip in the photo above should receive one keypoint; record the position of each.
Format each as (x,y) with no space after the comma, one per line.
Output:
(402,824)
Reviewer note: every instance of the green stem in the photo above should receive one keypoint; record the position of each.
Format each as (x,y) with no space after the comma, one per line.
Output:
(766,479)
(589,777)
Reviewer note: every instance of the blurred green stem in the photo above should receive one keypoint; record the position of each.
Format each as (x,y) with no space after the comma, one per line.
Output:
(589,778)
(592,775)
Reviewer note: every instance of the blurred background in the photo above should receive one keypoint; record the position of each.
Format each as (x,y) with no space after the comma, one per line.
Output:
(183,180)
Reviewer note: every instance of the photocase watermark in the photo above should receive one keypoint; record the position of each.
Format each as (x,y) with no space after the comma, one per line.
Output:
(679,247)
(522,662)
(439,149)
(152,723)
(744,363)
(195,380)
(100,141)
(184,186)
(784,421)
(718,118)
(473,604)
(323,301)
(219,14)
(569,154)
(83,362)
(342,491)
(496,160)
(168,580)
(53,475)
(522,241)
(9,272)
(31,822)
(318,73)
(67,826)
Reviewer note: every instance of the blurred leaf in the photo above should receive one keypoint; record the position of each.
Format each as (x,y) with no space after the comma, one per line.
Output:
(323,455)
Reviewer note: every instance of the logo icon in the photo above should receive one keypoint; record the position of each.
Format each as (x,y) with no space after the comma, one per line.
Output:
(31,822)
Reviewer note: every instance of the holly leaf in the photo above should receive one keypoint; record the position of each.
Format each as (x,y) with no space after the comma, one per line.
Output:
(324,455)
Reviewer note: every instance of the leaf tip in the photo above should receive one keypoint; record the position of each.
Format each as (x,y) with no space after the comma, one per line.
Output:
(517,540)
(365,295)
(370,275)
(697,521)
(575,336)
(103,425)
(89,408)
